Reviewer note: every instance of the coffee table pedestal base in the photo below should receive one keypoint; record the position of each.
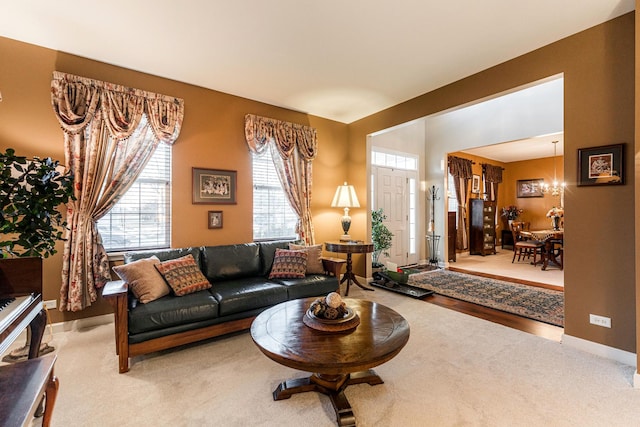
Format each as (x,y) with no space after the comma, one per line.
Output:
(331,385)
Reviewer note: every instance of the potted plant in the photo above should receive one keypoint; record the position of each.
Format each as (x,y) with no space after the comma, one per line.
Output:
(30,194)
(30,223)
(380,235)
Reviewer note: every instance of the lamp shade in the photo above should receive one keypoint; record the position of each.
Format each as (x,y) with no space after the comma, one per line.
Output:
(345,197)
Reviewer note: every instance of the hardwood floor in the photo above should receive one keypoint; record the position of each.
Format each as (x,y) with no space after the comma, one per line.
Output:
(524,324)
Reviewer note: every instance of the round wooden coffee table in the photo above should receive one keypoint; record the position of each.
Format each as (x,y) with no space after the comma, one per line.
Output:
(336,359)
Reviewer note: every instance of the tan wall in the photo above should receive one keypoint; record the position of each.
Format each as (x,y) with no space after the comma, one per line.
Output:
(598,67)
(535,208)
(212,137)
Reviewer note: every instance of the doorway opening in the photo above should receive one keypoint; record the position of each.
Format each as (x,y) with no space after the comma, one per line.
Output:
(522,114)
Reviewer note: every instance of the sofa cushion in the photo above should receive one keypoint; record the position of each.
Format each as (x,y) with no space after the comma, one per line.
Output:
(183,275)
(171,311)
(165,254)
(246,294)
(268,251)
(311,286)
(314,257)
(231,261)
(146,283)
(289,264)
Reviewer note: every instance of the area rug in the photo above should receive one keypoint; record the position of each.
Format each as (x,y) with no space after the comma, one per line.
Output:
(540,304)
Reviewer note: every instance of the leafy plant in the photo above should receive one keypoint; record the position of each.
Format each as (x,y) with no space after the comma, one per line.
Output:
(380,235)
(30,193)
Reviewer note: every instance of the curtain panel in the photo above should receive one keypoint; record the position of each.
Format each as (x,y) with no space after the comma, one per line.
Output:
(296,146)
(493,176)
(110,133)
(461,170)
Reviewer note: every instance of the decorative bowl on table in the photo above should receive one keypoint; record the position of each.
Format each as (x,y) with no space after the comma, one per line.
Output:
(330,314)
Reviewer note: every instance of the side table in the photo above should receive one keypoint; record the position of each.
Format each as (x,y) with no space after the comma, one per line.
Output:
(349,248)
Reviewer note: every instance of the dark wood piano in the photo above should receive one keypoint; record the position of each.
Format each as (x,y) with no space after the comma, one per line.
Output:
(21,307)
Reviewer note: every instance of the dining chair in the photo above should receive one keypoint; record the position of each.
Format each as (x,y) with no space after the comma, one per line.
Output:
(523,245)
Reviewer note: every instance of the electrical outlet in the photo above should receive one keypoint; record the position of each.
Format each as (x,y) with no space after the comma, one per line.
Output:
(50,304)
(605,322)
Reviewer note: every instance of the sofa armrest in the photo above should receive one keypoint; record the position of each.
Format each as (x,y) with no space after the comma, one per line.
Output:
(333,265)
(113,288)
(116,294)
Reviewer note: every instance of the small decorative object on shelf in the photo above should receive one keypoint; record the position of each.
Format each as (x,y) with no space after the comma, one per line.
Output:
(331,314)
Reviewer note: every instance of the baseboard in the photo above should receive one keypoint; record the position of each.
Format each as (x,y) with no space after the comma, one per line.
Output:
(602,350)
(87,322)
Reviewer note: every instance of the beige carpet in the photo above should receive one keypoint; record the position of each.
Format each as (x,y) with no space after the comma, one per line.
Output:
(501,265)
(456,370)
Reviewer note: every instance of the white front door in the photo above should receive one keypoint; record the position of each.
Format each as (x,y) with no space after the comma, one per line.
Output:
(391,192)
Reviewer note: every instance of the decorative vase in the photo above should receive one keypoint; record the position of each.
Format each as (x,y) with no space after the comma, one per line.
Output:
(555,222)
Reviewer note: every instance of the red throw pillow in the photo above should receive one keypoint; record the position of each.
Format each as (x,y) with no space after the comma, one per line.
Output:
(288,264)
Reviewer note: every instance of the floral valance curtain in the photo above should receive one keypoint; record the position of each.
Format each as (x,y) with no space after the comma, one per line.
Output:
(461,170)
(296,146)
(110,132)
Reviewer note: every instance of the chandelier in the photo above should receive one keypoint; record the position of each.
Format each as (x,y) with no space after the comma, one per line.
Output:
(557,188)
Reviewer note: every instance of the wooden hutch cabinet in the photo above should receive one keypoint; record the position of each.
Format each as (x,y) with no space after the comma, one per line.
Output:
(482,227)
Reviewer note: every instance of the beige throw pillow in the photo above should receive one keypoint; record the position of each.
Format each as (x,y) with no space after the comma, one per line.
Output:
(144,280)
(314,257)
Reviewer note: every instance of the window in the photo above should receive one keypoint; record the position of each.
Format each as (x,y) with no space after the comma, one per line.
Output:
(273,217)
(142,217)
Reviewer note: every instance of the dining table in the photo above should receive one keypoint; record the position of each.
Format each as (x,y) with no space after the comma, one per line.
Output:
(551,238)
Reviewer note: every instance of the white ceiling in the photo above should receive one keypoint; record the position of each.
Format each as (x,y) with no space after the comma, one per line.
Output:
(524,149)
(338,59)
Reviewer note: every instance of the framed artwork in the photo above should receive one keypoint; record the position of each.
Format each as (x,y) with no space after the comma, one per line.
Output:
(601,165)
(529,188)
(475,184)
(215,219)
(214,186)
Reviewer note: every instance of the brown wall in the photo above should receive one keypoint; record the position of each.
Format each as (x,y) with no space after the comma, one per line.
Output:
(212,136)
(598,67)
(535,208)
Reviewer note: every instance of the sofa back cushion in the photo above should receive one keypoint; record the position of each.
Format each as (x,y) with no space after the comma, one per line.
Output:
(268,252)
(165,254)
(231,261)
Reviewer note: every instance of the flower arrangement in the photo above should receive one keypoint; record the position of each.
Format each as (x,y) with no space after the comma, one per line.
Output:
(555,212)
(511,212)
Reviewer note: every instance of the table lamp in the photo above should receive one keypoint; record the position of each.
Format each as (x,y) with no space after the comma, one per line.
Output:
(346,198)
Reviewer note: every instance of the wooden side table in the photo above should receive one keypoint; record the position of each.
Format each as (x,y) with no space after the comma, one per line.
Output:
(350,248)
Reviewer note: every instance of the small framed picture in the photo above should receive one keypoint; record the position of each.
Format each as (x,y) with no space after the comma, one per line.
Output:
(215,219)
(475,184)
(214,186)
(601,165)
(529,188)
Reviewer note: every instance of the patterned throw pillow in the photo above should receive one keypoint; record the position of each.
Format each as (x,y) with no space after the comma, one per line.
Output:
(288,264)
(145,281)
(183,275)
(314,257)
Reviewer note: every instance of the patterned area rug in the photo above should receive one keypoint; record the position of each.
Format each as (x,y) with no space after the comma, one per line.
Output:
(528,301)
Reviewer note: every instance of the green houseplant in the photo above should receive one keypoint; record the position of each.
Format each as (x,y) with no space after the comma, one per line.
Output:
(380,235)
(30,193)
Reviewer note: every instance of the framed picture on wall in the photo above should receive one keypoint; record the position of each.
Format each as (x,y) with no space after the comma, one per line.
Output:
(214,186)
(529,188)
(215,219)
(475,184)
(601,165)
